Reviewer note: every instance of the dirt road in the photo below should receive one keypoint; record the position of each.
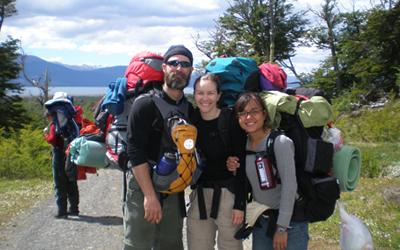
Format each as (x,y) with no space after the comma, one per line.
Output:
(98,227)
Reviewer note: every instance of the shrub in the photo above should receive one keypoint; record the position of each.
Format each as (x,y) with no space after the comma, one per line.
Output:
(25,155)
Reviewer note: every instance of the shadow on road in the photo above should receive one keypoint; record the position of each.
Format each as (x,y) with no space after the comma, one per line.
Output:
(103,220)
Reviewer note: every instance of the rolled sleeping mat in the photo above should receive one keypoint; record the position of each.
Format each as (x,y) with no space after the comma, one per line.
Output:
(88,153)
(347,167)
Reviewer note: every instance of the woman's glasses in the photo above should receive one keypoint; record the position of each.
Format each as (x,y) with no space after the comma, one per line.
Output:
(175,63)
(251,113)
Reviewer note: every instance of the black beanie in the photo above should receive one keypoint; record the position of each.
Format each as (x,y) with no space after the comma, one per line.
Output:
(178,50)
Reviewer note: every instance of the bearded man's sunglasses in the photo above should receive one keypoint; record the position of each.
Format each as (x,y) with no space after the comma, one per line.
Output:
(175,63)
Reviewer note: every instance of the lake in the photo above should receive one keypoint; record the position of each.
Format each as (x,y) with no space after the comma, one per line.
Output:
(73,91)
(97,91)
(76,91)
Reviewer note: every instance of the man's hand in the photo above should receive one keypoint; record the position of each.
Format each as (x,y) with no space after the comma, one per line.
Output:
(152,209)
(151,204)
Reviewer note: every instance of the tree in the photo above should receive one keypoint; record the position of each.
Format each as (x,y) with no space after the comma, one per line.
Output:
(41,83)
(245,29)
(326,36)
(7,9)
(375,53)
(367,52)
(13,114)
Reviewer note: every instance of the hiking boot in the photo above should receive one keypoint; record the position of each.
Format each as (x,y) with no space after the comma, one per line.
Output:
(73,212)
(61,216)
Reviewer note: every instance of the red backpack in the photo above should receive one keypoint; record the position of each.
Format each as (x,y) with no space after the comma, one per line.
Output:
(144,69)
(143,73)
(272,77)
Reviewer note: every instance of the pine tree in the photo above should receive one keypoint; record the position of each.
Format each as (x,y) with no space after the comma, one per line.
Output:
(7,9)
(13,114)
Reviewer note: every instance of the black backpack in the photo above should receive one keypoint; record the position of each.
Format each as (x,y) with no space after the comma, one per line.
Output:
(318,189)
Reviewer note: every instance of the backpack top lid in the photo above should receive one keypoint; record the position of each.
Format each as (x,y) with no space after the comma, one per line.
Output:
(145,67)
(237,75)
(233,70)
(59,97)
(272,77)
(61,101)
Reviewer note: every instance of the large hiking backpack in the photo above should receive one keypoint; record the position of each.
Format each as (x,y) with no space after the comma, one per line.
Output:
(63,112)
(303,122)
(237,75)
(142,74)
(179,164)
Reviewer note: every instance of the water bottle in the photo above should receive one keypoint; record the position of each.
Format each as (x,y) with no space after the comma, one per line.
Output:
(167,164)
(265,173)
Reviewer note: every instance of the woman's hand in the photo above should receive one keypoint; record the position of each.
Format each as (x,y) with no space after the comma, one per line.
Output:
(280,240)
(232,163)
(237,217)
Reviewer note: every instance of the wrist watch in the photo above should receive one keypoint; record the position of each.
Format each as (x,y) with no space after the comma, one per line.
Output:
(280,229)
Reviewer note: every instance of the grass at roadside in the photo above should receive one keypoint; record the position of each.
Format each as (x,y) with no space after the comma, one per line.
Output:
(371,202)
(19,195)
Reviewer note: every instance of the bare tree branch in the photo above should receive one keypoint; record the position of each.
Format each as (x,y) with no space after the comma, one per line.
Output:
(40,83)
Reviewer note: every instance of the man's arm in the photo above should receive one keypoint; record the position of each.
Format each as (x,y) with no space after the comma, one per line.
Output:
(140,128)
(152,207)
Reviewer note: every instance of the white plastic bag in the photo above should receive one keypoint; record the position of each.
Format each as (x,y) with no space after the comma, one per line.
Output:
(354,234)
(334,136)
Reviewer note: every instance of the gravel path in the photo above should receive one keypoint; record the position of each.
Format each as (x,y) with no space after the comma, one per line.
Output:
(98,227)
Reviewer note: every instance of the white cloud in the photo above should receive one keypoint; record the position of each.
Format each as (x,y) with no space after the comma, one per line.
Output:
(308,58)
(76,31)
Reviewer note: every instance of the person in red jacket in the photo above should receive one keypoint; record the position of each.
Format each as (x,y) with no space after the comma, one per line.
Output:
(65,189)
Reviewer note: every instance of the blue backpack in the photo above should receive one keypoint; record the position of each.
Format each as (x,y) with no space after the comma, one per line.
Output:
(237,75)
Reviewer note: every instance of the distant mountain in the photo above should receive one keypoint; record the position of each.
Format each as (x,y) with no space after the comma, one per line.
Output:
(80,67)
(67,75)
(62,75)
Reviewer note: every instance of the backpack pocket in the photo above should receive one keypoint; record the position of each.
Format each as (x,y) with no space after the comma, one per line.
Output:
(322,204)
(162,183)
(319,158)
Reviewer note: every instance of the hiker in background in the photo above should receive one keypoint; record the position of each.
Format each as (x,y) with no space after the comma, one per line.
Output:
(153,220)
(218,200)
(273,188)
(66,190)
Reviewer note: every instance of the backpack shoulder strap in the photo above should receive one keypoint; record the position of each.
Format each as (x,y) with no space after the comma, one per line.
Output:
(223,127)
(165,108)
(270,145)
(269,152)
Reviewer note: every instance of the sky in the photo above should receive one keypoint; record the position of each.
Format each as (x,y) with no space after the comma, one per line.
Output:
(108,33)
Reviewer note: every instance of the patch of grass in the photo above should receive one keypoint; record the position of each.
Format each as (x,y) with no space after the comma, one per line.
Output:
(377,157)
(19,195)
(376,125)
(369,203)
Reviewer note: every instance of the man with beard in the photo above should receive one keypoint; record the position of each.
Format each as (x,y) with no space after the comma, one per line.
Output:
(153,220)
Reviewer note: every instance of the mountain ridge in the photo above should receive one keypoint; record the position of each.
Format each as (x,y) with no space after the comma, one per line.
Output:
(68,75)
(62,75)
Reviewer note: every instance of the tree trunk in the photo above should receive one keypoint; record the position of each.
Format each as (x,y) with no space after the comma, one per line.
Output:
(272,31)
